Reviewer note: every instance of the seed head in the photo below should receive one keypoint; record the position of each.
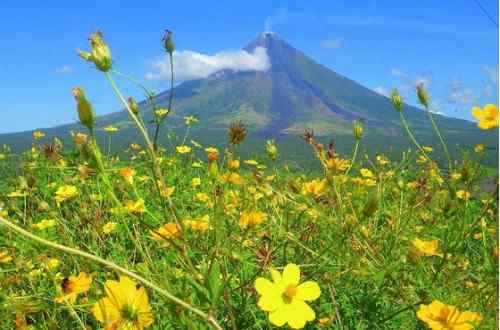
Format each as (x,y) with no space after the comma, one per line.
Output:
(357,129)
(84,108)
(397,102)
(168,43)
(423,97)
(99,53)
(237,132)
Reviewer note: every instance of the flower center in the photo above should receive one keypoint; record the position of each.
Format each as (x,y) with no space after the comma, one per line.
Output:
(130,313)
(290,292)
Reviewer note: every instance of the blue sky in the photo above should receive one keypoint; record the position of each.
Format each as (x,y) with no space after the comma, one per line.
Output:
(451,46)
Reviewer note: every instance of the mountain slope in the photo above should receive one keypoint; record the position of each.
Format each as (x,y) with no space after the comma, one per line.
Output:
(295,93)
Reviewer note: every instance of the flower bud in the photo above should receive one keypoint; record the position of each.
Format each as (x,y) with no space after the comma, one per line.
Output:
(84,108)
(397,102)
(357,129)
(168,42)
(423,97)
(99,54)
(272,150)
(132,104)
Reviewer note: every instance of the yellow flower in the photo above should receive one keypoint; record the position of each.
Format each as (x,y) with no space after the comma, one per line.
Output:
(52,263)
(426,248)
(439,316)
(4,258)
(37,135)
(202,224)
(337,164)
(65,192)
(44,224)
(251,219)
(252,162)
(127,174)
(456,176)
(183,149)
(195,182)
(126,306)
(428,149)
(166,231)
(111,129)
(479,148)
(202,197)
(109,227)
(71,287)
(233,164)
(231,177)
(285,299)
(487,117)
(189,120)
(130,207)
(370,182)
(315,187)
(17,194)
(167,191)
(135,147)
(382,160)
(462,194)
(366,173)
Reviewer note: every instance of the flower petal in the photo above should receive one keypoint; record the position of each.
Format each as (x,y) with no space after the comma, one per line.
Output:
(308,291)
(106,312)
(299,314)
(477,113)
(291,274)
(270,302)
(279,316)
(263,286)
(275,275)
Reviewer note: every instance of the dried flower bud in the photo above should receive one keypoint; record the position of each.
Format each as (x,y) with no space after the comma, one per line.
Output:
(132,104)
(357,129)
(237,132)
(397,102)
(84,108)
(99,54)
(423,97)
(168,42)
(272,150)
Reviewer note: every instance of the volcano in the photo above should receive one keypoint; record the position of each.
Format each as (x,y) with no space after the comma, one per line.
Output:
(294,94)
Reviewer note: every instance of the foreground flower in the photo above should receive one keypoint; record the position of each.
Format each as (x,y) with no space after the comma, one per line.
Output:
(284,298)
(44,224)
(315,187)
(439,316)
(4,258)
(462,194)
(251,219)
(487,117)
(426,248)
(65,192)
(167,231)
(109,227)
(183,149)
(125,306)
(127,174)
(71,287)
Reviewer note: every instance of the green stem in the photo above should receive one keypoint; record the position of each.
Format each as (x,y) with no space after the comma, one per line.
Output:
(208,318)
(412,137)
(170,99)
(436,129)
(354,154)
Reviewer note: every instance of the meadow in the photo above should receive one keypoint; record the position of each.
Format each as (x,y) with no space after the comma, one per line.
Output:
(190,236)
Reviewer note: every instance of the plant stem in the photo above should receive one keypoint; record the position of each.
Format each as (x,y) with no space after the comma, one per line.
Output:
(354,154)
(208,318)
(436,129)
(170,99)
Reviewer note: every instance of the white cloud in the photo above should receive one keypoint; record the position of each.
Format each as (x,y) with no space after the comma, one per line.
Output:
(332,43)
(461,95)
(65,69)
(491,73)
(381,90)
(190,65)
(399,73)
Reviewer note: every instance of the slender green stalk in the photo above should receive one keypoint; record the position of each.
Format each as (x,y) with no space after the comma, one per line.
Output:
(438,133)
(170,99)
(354,155)
(412,137)
(207,317)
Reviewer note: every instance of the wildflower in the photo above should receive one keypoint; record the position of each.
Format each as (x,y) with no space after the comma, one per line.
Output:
(382,160)
(65,192)
(37,135)
(109,227)
(337,164)
(99,54)
(161,112)
(135,147)
(231,177)
(426,248)
(456,176)
(133,106)
(487,117)
(423,97)
(202,224)
(315,187)
(168,43)
(44,224)
(4,258)
(202,197)
(212,154)
(190,120)
(462,194)
(357,129)
(397,102)
(233,164)
(84,109)
(251,162)
(80,139)
(285,299)
(167,192)
(110,129)
(52,263)
(73,286)
(198,164)
(251,219)
(183,149)
(236,132)
(195,182)
(126,306)
(127,174)
(168,230)
(135,207)
(428,149)
(17,194)
(479,148)
(272,150)
(366,173)
(439,316)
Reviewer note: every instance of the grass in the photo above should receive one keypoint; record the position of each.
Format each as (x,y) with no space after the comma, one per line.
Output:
(229,221)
